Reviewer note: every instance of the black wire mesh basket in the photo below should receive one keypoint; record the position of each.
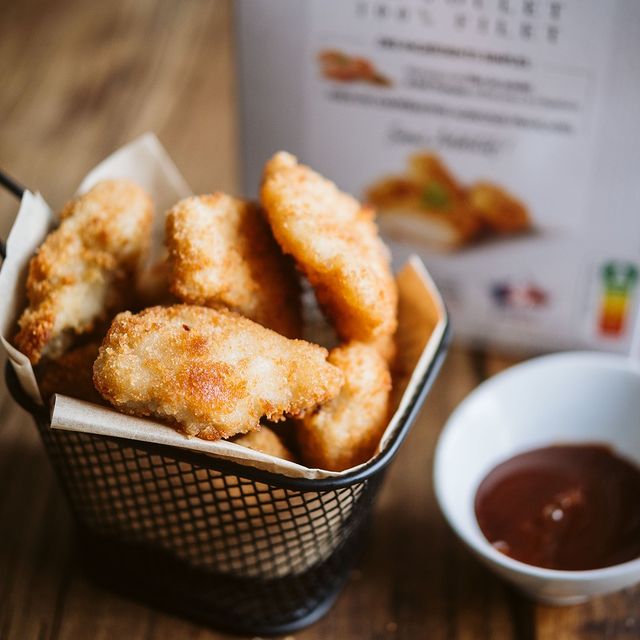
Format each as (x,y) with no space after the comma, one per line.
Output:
(223,543)
(218,541)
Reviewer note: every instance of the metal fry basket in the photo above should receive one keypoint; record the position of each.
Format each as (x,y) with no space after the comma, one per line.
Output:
(220,542)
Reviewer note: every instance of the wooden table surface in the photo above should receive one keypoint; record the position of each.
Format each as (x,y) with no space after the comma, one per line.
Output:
(78,80)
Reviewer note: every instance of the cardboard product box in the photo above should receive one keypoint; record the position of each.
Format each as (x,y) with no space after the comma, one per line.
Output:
(497,138)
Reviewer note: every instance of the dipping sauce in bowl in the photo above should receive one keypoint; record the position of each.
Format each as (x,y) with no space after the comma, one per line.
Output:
(567,507)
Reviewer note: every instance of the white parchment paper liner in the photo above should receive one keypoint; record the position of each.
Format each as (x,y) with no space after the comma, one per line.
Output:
(422,322)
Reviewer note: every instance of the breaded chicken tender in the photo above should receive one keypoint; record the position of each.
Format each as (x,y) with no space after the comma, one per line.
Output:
(222,252)
(346,431)
(212,372)
(267,441)
(71,374)
(335,242)
(84,268)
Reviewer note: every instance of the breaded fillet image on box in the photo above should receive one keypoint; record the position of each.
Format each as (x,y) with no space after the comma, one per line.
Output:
(212,373)
(343,67)
(501,212)
(428,169)
(429,212)
(346,431)
(222,253)
(334,241)
(85,268)
(429,205)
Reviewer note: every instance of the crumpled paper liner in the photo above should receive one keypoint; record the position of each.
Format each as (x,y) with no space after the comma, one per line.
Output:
(422,322)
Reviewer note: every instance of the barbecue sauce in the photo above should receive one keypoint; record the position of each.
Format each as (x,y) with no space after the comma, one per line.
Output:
(570,507)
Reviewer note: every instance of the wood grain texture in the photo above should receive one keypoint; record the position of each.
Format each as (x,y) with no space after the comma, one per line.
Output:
(78,80)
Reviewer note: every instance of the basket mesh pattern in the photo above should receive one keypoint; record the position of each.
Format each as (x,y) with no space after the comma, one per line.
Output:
(226,548)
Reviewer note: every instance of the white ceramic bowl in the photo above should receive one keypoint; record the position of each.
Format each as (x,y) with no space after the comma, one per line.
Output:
(561,398)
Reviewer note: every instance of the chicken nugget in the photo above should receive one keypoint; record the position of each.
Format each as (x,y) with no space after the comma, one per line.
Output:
(212,372)
(71,374)
(497,209)
(222,252)
(84,268)
(335,242)
(265,440)
(346,431)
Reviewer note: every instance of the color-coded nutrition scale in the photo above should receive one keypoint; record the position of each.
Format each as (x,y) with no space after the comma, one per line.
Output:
(619,280)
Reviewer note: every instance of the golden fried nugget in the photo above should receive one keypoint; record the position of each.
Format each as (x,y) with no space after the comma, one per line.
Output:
(499,210)
(346,431)
(71,374)
(212,372)
(84,268)
(222,252)
(335,242)
(266,441)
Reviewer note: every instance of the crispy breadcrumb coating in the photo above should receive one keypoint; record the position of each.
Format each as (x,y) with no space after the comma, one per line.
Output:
(335,242)
(222,252)
(267,441)
(212,372)
(71,374)
(84,268)
(346,431)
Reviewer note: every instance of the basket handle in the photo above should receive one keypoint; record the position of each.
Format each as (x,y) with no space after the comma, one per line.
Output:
(14,187)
